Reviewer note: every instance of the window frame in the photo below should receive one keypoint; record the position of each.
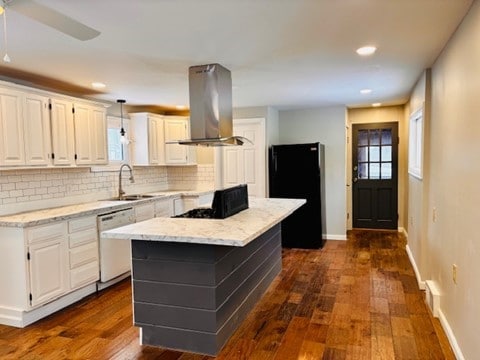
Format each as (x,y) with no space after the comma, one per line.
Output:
(115,122)
(415,143)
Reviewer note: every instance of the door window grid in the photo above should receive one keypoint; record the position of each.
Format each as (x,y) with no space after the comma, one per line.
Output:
(374,154)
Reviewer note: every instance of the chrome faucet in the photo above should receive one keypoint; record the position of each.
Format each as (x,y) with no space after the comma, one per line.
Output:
(121,192)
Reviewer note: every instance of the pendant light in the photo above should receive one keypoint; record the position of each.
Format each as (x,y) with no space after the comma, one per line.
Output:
(123,138)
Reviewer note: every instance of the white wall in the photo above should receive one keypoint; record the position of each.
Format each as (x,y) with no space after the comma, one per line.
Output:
(327,126)
(453,163)
(418,218)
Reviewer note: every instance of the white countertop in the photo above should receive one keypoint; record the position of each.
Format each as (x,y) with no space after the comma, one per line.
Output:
(236,230)
(39,217)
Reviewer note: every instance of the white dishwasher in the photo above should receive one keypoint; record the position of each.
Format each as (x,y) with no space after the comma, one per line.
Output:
(115,254)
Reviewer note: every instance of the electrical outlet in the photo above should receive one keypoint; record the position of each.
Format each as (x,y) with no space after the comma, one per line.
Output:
(454,273)
(434,214)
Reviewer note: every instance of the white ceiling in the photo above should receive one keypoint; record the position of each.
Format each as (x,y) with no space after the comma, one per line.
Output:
(283,53)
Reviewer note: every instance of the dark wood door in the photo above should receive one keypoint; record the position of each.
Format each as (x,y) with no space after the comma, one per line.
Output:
(374,175)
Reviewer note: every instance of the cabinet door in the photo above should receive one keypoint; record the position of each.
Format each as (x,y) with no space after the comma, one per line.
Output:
(12,149)
(83,131)
(247,164)
(155,140)
(63,145)
(164,208)
(37,130)
(90,134)
(144,212)
(99,135)
(47,270)
(175,129)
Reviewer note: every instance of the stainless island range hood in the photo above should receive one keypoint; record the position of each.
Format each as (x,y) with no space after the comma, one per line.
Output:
(210,88)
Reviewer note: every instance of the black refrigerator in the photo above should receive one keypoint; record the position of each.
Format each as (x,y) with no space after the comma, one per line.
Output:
(296,171)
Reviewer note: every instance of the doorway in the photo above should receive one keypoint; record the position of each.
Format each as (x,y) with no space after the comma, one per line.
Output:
(375,175)
(247,164)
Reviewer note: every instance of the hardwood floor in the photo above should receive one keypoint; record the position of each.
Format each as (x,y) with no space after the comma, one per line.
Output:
(355,299)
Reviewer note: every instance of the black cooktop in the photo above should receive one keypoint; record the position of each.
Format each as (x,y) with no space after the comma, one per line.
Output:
(226,202)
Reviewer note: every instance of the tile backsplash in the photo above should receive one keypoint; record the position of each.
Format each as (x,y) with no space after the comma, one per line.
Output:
(30,189)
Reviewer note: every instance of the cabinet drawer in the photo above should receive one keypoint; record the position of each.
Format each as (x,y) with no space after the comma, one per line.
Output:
(83,223)
(205,200)
(82,237)
(164,208)
(84,275)
(144,212)
(46,232)
(83,254)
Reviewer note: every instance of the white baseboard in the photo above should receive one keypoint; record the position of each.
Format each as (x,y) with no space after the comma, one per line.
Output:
(451,337)
(335,237)
(403,231)
(443,320)
(20,318)
(421,283)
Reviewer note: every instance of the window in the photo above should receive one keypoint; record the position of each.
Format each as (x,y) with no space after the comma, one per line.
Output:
(374,149)
(117,152)
(415,145)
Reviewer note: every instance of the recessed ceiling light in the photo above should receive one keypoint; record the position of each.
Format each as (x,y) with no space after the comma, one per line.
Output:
(98,85)
(366,50)
(376,104)
(365,91)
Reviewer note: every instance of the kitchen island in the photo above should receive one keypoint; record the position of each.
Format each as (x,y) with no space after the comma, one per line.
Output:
(195,280)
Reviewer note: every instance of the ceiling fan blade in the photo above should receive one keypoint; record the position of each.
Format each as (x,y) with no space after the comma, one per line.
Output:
(54,19)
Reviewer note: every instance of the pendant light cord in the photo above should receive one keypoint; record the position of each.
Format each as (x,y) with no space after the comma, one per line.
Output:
(122,130)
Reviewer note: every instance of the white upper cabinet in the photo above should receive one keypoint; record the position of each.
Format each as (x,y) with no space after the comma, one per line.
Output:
(25,129)
(63,141)
(11,128)
(99,136)
(38,128)
(148,139)
(37,137)
(178,128)
(151,134)
(90,134)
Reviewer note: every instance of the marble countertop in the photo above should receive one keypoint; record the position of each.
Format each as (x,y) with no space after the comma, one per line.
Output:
(39,217)
(236,230)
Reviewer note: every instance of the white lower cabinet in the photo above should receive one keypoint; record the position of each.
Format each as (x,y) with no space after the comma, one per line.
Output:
(83,251)
(164,208)
(46,255)
(186,203)
(46,267)
(47,271)
(144,212)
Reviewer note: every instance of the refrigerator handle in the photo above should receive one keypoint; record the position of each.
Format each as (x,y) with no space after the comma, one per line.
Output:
(274,163)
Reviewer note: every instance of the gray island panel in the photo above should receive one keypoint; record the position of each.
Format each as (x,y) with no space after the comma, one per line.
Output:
(199,315)
(195,280)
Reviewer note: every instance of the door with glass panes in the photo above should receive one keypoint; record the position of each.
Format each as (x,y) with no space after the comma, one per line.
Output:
(374,175)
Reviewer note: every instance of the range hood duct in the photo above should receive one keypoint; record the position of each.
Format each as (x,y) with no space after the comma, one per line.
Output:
(211,124)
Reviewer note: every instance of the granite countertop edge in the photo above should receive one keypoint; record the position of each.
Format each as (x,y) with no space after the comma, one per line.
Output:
(97,207)
(237,230)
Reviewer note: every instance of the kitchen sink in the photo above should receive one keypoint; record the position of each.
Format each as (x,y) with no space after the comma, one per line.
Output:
(131,197)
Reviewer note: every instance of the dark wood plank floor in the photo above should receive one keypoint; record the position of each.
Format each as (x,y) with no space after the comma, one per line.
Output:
(355,299)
